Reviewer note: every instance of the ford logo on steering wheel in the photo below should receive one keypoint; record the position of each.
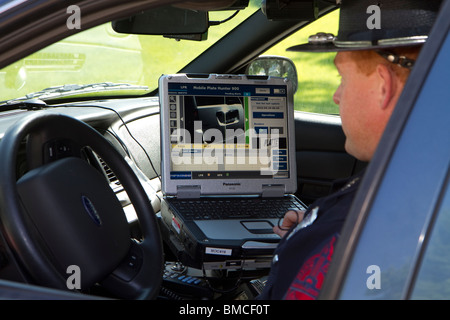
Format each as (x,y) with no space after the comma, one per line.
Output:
(93,214)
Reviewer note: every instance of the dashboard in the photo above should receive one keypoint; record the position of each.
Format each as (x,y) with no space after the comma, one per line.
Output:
(131,125)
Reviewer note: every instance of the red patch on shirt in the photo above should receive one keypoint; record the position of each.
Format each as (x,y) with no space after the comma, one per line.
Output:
(309,280)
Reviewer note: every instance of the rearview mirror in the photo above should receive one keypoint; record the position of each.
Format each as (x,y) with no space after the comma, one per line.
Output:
(167,20)
(274,66)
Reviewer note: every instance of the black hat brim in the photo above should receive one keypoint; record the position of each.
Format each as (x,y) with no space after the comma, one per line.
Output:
(331,47)
(307,47)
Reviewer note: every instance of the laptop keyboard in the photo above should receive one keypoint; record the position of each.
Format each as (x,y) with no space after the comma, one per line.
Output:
(235,208)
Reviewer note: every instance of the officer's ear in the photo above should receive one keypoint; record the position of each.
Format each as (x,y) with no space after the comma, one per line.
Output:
(387,86)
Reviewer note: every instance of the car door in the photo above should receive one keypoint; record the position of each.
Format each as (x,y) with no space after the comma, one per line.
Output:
(399,217)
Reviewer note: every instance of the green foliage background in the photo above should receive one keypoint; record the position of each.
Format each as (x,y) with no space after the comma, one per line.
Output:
(317,76)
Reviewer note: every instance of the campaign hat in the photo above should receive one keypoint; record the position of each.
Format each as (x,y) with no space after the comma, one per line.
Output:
(371,25)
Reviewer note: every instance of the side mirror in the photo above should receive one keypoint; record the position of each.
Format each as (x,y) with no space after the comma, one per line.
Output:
(275,66)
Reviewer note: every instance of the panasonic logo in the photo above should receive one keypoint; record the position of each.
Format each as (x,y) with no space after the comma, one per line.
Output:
(231,184)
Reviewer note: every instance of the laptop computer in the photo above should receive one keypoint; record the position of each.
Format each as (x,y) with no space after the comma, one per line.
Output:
(227,143)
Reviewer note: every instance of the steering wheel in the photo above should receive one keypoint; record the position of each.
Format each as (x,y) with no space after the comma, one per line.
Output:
(61,220)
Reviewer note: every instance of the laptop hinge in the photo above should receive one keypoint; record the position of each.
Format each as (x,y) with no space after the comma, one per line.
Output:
(273,191)
(188,192)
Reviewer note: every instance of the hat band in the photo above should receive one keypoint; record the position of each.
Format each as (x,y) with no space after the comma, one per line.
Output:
(401,61)
(415,40)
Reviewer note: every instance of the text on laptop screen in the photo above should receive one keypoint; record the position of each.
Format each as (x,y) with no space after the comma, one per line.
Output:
(220,131)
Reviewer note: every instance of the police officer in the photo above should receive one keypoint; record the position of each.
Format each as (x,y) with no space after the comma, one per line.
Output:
(374,59)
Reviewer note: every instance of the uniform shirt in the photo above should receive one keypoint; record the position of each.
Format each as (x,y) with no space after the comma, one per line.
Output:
(302,257)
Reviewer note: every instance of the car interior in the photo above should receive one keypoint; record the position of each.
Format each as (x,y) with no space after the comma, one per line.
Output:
(64,147)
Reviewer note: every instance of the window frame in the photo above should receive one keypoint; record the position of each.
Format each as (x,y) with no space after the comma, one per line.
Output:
(428,243)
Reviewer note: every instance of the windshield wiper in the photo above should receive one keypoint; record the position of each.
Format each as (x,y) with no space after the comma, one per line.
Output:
(74,89)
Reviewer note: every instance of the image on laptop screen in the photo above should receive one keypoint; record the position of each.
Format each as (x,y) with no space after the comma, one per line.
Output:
(227,131)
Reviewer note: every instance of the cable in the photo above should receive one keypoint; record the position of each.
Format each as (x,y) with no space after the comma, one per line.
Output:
(282,217)
(131,135)
(119,139)
(216,23)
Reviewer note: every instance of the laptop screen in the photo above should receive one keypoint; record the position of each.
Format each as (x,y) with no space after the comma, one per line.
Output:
(227,130)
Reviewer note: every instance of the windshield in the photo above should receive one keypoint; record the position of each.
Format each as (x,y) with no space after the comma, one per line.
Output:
(100,55)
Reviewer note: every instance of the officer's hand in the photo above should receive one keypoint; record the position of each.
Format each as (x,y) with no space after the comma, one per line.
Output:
(290,218)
